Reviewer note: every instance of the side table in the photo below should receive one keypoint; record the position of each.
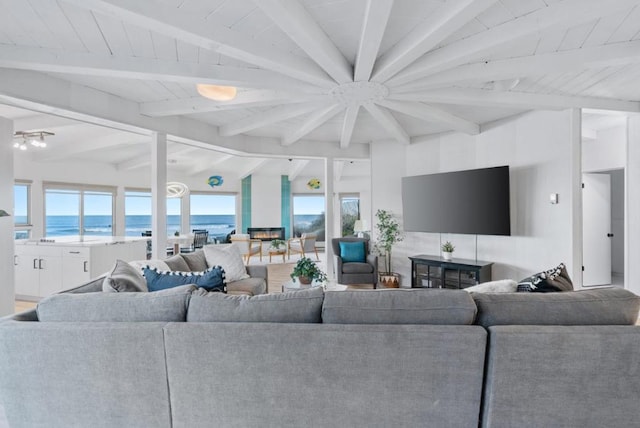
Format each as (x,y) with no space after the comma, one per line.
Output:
(277,252)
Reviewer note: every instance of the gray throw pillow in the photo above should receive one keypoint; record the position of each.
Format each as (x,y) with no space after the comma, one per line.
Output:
(303,306)
(177,263)
(124,277)
(454,307)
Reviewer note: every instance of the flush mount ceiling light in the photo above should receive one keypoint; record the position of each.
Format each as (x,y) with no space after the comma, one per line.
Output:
(217,93)
(30,138)
(176,189)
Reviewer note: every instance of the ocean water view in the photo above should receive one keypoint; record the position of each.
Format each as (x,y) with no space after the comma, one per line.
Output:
(219,226)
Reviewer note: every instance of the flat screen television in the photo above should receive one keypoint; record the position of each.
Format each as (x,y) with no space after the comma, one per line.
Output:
(471,202)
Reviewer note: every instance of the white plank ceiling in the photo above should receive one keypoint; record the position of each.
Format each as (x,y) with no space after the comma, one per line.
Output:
(334,73)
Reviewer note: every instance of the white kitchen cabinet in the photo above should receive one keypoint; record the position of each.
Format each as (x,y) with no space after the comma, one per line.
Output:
(43,268)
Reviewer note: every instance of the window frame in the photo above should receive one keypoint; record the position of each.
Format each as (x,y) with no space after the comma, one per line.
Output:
(28,226)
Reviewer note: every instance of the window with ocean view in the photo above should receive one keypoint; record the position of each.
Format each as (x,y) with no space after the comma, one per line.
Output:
(78,210)
(308,215)
(215,212)
(137,211)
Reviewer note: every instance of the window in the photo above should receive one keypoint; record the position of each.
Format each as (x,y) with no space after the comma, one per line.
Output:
(78,210)
(215,212)
(349,212)
(22,209)
(137,213)
(308,215)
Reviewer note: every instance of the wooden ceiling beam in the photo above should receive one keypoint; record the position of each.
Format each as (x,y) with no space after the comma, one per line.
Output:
(269,117)
(245,99)
(348,125)
(565,14)
(292,18)
(167,19)
(389,123)
(432,114)
(312,122)
(375,23)
(521,100)
(555,62)
(447,19)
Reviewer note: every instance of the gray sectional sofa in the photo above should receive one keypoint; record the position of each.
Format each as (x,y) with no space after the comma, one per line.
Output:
(381,358)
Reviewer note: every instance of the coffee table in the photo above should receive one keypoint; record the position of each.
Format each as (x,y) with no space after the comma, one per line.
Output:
(294,285)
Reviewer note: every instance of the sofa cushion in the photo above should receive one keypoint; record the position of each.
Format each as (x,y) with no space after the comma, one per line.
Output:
(552,280)
(357,268)
(196,261)
(302,306)
(139,264)
(498,286)
(352,252)
(398,307)
(227,256)
(124,277)
(211,279)
(605,306)
(167,305)
(178,263)
(250,286)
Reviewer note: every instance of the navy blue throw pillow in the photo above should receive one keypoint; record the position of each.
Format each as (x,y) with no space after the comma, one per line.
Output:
(212,279)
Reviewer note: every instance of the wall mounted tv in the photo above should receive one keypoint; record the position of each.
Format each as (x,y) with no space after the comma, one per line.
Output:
(472,202)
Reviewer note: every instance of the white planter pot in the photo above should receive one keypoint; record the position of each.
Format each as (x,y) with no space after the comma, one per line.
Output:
(447,255)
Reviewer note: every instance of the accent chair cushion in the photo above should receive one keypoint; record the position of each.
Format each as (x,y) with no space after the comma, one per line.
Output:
(213,279)
(453,307)
(124,277)
(605,306)
(304,306)
(357,268)
(352,252)
(227,256)
(167,305)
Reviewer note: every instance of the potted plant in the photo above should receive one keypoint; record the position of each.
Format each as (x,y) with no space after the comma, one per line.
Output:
(447,250)
(307,271)
(277,244)
(388,234)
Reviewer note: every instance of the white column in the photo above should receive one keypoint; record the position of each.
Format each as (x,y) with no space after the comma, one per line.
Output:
(7,248)
(185,211)
(159,195)
(632,206)
(328,213)
(576,196)
(120,212)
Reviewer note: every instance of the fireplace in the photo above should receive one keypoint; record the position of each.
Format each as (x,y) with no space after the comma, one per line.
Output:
(266,233)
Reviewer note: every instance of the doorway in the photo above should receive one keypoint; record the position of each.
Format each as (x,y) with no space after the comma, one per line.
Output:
(603,228)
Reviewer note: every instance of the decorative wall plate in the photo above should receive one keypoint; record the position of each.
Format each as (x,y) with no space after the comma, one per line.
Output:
(215,180)
(313,184)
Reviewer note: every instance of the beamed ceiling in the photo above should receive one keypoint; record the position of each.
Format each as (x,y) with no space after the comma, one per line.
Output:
(313,76)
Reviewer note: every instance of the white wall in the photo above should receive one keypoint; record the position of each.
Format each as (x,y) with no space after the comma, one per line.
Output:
(266,201)
(608,151)
(632,215)
(537,147)
(6,223)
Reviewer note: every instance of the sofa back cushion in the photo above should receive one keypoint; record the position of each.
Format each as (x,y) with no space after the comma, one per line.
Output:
(398,307)
(167,305)
(605,306)
(304,306)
